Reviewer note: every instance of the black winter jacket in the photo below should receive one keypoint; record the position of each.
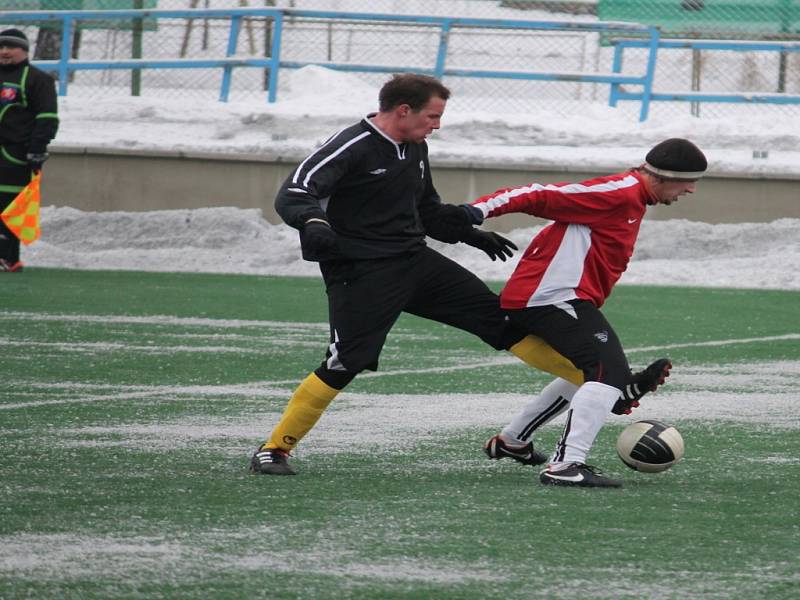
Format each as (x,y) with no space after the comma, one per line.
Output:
(28,110)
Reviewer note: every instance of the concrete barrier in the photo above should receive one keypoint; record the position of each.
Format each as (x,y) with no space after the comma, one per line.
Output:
(132,180)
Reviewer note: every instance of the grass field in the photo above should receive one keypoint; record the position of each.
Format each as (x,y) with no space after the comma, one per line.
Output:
(131,403)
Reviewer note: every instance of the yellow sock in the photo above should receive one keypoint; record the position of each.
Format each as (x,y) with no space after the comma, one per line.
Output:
(305,407)
(537,353)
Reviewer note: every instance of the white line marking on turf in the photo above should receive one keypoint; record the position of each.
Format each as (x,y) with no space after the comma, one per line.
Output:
(490,362)
(162,320)
(95,347)
(253,390)
(732,342)
(502,360)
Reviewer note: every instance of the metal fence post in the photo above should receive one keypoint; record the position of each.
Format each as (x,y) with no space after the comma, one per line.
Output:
(275,59)
(136,50)
(616,67)
(441,56)
(227,71)
(650,73)
(66,53)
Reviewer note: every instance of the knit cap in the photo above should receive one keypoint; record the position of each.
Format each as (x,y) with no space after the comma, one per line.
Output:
(676,158)
(14,38)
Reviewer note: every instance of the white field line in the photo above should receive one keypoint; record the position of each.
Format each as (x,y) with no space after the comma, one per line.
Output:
(504,360)
(161,320)
(248,389)
(95,347)
(261,389)
(366,422)
(238,323)
(256,389)
(732,342)
(758,394)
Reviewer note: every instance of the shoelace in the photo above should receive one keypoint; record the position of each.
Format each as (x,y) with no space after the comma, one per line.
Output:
(521,451)
(274,454)
(591,468)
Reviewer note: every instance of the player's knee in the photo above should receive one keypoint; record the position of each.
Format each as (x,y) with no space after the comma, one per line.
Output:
(335,379)
(342,364)
(593,372)
(614,375)
(340,373)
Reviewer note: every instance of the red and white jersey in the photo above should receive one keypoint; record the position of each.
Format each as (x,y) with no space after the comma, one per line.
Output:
(586,250)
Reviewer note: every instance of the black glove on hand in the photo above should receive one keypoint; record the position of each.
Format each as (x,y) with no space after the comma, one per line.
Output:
(317,240)
(36,159)
(494,244)
(475,214)
(451,215)
(447,223)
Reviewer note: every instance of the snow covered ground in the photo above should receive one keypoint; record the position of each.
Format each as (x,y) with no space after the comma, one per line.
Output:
(675,252)
(320,101)
(233,240)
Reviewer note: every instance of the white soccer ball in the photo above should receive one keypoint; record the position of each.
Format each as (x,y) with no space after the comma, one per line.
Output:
(650,446)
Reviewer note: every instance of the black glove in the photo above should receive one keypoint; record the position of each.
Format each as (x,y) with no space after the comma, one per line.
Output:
(36,159)
(459,216)
(494,244)
(446,222)
(317,240)
(475,214)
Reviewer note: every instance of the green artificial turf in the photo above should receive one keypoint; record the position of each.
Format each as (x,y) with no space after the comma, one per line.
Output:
(131,403)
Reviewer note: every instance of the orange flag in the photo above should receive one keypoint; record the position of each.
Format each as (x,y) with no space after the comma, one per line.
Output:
(22,215)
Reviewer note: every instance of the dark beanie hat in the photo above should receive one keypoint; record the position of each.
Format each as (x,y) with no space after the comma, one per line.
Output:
(676,158)
(15,38)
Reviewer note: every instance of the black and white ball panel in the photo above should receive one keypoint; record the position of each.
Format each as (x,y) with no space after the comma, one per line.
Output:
(650,446)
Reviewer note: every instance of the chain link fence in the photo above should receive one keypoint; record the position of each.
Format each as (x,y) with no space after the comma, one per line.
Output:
(410,45)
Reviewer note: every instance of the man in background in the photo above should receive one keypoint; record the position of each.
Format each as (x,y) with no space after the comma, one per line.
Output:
(28,122)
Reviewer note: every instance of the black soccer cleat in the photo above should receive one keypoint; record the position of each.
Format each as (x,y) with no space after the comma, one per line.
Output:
(496,449)
(578,474)
(8,267)
(641,383)
(271,461)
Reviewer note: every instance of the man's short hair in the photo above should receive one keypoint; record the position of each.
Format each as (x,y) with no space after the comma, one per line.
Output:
(412,89)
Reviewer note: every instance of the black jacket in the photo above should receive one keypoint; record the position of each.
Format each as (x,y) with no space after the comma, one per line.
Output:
(376,194)
(28,110)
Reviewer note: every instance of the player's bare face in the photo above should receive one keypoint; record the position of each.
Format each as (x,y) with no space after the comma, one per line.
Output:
(420,124)
(11,55)
(669,191)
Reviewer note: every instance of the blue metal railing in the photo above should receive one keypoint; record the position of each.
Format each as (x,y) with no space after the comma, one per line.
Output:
(273,64)
(697,96)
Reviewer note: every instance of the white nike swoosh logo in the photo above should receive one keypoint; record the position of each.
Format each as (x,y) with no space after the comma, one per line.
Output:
(578,477)
(631,221)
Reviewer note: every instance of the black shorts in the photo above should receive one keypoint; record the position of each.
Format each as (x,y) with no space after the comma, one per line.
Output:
(579,331)
(366,297)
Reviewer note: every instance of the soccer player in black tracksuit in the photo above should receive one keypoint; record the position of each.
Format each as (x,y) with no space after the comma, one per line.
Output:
(28,122)
(364,202)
